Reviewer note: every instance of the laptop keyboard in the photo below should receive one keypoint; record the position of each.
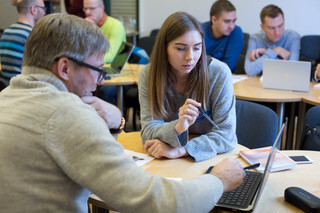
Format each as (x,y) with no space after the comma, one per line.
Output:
(242,196)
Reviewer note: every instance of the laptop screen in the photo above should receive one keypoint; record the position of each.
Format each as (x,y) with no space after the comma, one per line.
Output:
(286,75)
(122,56)
(271,157)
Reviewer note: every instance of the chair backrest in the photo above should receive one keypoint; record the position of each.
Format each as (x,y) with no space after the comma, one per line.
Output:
(154,32)
(310,47)
(312,117)
(257,125)
(147,43)
(245,43)
(310,139)
(1,32)
(242,57)
(3,83)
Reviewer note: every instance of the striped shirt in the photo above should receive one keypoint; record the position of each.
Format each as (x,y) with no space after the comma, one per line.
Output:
(12,47)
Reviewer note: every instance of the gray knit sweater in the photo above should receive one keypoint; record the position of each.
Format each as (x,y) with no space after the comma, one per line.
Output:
(55,149)
(221,104)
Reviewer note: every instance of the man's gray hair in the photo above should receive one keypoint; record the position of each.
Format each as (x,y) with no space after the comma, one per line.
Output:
(57,35)
(23,6)
(100,2)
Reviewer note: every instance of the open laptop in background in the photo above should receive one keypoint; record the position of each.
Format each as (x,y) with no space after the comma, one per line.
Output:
(286,75)
(245,197)
(120,59)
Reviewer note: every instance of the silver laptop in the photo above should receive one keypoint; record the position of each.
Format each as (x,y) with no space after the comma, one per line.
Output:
(251,188)
(286,75)
(120,59)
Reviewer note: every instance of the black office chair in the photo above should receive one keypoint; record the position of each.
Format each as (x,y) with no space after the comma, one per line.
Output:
(154,32)
(147,43)
(131,100)
(311,137)
(1,32)
(310,47)
(3,83)
(242,57)
(257,125)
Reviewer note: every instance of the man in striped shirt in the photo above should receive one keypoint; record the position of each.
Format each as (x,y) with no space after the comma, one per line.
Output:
(14,38)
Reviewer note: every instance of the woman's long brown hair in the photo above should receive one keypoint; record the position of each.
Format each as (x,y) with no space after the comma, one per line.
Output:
(161,77)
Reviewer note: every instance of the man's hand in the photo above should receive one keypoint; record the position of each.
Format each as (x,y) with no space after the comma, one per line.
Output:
(230,172)
(159,149)
(256,53)
(90,19)
(282,53)
(318,71)
(187,115)
(110,113)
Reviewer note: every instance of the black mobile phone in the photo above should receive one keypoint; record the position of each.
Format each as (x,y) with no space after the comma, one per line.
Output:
(301,159)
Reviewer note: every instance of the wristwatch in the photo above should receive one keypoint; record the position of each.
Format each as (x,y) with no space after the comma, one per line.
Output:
(120,129)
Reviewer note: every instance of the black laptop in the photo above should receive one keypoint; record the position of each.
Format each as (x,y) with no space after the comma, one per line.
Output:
(245,197)
(120,59)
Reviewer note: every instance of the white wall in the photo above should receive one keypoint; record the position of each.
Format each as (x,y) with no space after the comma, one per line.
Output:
(8,14)
(302,16)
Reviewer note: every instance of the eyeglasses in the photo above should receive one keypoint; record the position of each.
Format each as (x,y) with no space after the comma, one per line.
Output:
(44,8)
(90,8)
(103,72)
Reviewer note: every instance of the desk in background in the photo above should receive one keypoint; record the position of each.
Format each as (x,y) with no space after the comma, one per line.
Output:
(128,76)
(272,198)
(251,89)
(313,96)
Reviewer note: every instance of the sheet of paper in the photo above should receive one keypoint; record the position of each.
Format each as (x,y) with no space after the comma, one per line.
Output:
(139,158)
(176,179)
(236,79)
(316,86)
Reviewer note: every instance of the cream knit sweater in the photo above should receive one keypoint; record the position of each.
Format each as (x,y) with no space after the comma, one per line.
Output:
(54,150)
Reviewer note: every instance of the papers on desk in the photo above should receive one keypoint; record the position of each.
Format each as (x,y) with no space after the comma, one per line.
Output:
(142,159)
(176,179)
(139,158)
(260,155)
(236,79)
(316,86)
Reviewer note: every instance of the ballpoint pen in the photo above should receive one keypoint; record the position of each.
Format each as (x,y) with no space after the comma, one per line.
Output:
(254,166)
(207,117)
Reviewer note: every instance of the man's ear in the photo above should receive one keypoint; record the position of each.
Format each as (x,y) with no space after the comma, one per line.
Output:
(63,69)
(33,10)
(261,25)
(213,19)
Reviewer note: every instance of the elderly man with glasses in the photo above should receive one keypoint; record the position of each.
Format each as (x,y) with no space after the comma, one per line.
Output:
(55,149)
(114,30)
(111,27)
(14,37)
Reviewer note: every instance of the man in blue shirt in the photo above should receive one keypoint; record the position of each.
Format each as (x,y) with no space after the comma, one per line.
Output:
(14,38)
(223,39)
(271,42)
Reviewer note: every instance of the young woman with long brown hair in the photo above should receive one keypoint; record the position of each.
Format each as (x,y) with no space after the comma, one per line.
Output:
(179,79)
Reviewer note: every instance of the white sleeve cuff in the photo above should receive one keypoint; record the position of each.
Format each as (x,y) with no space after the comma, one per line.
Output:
(315,76)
